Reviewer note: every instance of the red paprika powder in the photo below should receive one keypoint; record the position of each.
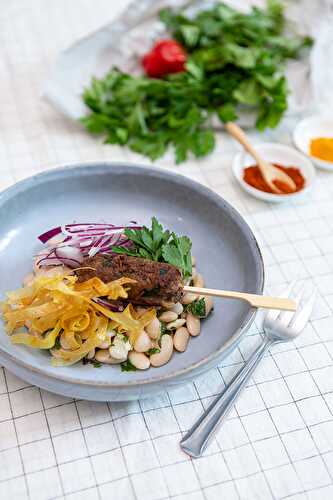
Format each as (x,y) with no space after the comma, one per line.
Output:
(253,177)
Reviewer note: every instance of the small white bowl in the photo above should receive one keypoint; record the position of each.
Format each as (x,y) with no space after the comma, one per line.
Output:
(310,128)
(275,153)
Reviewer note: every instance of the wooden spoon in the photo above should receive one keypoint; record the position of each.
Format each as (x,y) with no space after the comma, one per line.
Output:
(268,171)
(253,299)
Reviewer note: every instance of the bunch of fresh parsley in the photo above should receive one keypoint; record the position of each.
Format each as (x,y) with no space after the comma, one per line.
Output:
(159,245)
(235,60)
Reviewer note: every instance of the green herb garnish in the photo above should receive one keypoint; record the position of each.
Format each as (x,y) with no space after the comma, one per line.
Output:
(197,308)
(153,350)
(127,366)
(57,344)
(96,364)
(163,329)
(235,60)
(159,245)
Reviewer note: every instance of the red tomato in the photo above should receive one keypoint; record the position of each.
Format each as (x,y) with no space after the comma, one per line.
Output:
(167,56)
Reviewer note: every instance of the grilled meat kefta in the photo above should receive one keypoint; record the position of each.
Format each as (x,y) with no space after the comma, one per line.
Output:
(155,281)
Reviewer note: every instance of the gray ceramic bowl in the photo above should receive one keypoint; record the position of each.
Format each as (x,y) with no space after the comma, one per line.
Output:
(226,250)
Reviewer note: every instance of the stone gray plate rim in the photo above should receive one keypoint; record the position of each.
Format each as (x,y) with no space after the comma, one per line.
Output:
(85,166)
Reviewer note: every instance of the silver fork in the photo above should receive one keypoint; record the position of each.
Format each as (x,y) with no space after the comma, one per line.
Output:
(278,327)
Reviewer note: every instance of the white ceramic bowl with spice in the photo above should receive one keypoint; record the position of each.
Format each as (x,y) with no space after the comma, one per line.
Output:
(310,128)
(282,155)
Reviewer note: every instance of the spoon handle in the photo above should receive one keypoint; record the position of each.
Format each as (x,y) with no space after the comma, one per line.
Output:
(281,303)
(196,439)
(242,138)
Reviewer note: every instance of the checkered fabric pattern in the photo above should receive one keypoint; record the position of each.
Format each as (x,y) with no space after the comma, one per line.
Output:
(278,441)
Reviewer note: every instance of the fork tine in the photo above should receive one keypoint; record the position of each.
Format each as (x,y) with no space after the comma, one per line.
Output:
(272,314)
(285,317)
(303,315)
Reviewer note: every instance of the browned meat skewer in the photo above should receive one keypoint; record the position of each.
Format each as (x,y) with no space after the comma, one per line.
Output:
(155,281)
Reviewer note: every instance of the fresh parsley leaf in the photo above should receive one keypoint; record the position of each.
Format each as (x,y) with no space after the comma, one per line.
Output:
(127,366)
(57,344)
(96,364)
(227,113)
(235,59)
(178,253)
(163,329)
(197,308)
(153,350)
(160,245)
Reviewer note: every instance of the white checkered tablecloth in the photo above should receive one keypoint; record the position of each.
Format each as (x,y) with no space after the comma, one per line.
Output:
(278,442)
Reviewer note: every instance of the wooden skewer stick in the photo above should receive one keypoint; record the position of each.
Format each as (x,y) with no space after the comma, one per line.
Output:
(253,299)
(269,172)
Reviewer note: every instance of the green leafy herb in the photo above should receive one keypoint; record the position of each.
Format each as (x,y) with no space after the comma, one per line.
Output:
(153,350)
(127,366)
(57,344)
(163,329)
(159,245)
(198,308)
(96,364)
(235,60)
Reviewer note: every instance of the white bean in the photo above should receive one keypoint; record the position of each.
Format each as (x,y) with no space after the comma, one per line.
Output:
(105,344)
(166,304)
(143,342)
(63,342)
(180,339)
(162,357)
(91,354)
(103,356)
(193,261)
(209,304)
(193,324)
(168,316)
(139,360)
(175,324)
(198,281)
(177,308)
(188,298)
(154,328)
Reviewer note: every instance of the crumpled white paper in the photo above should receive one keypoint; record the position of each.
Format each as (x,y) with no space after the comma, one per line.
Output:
(127,38)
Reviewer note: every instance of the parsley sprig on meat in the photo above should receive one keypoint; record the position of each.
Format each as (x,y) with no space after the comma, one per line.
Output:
(235,60)
(159,245)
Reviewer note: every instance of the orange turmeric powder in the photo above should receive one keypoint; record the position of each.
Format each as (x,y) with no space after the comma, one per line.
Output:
(322,147)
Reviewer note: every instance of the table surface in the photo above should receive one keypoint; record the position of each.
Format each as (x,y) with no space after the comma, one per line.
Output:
(278,441)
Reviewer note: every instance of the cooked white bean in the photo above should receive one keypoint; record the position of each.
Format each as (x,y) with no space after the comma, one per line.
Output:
(168,316)
(209,303)
(180,339)
(162,357)
(166,304)
(154,328)
(193,324)
(120,347)
(110,334)
(56,354)
(91,354)
(177,308)
(143,342)
(139,360)
(188,297)
(103,356)
(175,324)
(63,342)
(198,280)
(193,261)
(105,344)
